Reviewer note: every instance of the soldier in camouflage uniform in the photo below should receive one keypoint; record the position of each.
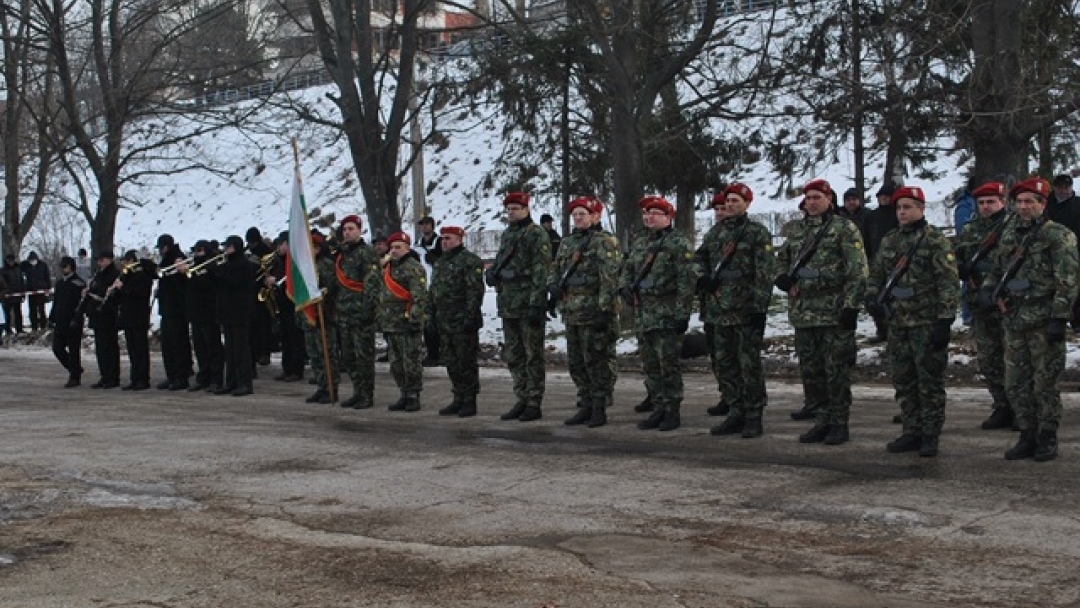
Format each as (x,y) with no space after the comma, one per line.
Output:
(914,282)
(402,313)
(1034,283)
(824,271)
(658,283)
(313,336)
(637,236)
(519,276)
(736,267)
(457,296)
(709,310)
(975,248)
(357,272)
(584,285)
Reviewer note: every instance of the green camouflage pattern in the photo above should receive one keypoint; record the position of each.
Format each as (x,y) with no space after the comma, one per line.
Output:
(396,315)
(747,279)
(460,353)
(590,356)
(405,351)
(931,277)
(738,370)
(918,378)
(660,350)
(457,290)
(523,277)
(1033,366)
(593,286)
(313,347)
(665,296)
(834,277)
(358,354)
(1049,270)
(523,349)
(826,356)
(968,244)
(989,332)
(359,262)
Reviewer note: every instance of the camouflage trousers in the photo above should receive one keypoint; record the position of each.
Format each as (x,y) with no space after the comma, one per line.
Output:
(405,350)
(460,354)
(1032,369)
(990,352)
(738,369)
(660,350)
(358,356)
(524,353)
(590,355)
(918,379)
(313,345)
(826,355)
(714,353)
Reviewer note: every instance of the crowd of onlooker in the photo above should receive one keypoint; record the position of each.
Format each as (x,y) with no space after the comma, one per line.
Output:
(30,281)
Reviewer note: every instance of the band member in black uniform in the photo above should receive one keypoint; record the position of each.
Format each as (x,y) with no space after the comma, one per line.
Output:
(102,316)
(235,307)
(175,340)
(201,305)
(68,321)
(262,328)
(133,289)
(292,335)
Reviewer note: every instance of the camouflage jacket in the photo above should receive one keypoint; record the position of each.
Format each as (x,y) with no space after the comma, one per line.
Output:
(457,290)
(746,280)
(1045,284)
(324,269)
(401,315)
(523,276)
(930,288)
(357,262)
(665,295)
(834,275)
(967,246)
(593,286)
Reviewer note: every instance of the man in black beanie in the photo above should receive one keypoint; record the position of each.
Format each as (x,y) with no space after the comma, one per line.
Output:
(68,321)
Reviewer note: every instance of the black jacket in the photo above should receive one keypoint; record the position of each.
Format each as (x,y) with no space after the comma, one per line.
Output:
(236,290)
(13,277)
(859,217)
(432,247)
(879,222)
(66,296)
(1066,212)
(133,300)
(200,300)
(102,317)
(37,275)
(172,289)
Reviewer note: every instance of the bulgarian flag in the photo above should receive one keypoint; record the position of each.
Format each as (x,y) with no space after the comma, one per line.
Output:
(301,280)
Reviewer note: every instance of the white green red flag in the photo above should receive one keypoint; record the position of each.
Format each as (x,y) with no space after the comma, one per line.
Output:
(301,280)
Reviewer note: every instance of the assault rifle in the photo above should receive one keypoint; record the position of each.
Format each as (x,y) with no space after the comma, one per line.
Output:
(899,269)
(986,246)
(1007,283)
(575,260)
(493,276)
(727,254)
(633,292)
(807,251)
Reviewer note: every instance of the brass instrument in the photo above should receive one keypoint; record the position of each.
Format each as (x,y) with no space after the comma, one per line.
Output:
(173,269)
(205,266)
(266,294)
(266,262)
(129,268)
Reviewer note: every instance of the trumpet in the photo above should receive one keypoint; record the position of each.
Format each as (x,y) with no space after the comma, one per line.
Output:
(266,262)
(204,267)
(172,269)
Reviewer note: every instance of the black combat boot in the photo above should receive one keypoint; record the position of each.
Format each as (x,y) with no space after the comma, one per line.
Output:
(838,434)
(898,419)
(530,413)
(598,417)
(804,413)
(1000,418)
(317,396)
(817,434)
(515,412)
(164,386)
(652,422)
(731,425)
(468,407)
(670,422)
(453,409)
(242,390)
(929,446)
(904,443)
(645,406)
(73,381)
(1024,448)
(752,429)
(412,403)
(581,416)
(399,405)
(1046,445)
(720,409)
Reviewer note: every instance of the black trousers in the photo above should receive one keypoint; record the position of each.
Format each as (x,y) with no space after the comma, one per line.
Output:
(209,353)
(67,346)
(176,349)
(431,343)
(38,318)
(261,334)
(138,347)
(13,314)
(238,366)
(107,351)
(293,350)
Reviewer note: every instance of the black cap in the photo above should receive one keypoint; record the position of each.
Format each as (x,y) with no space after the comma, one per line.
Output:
(32,256)
(68,261)
(236,242)
(131,255)
(253,235)
(1063,180)
(202,244)
(82,252)
(282,237)
(107,253)
(546,218)
(427,219)
(165,240)
(851,193)
(887,189)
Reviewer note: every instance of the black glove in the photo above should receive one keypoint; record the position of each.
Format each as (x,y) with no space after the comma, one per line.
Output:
(963,272)
(491,278)
(1055,330)
(75,326)
(681,326)
(472,325)
(756,320)
(876,310)
(552,305)
(602,321)
(554,293)
(985,299)
(784,283)
(849,318)
(940,334)
(705,285)
(537,315)
(627,294)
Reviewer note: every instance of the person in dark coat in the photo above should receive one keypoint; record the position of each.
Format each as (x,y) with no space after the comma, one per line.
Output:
(16,283)
(67,321)
(880,222)
(175,340)
(235,281)
(102,315)
(262,329)
(37,279)
(292,336)
(854,210)
(548,224)
(429,247)
(133,289)
(201,305)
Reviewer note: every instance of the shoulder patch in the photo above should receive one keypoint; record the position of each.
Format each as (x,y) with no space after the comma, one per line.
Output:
(949,256)
(768,246)
(857,244)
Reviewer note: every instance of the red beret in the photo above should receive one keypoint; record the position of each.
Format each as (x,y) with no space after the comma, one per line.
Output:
(452,230)
(399,236)
(657,202)
(742,190)
(914,192)
(818,184)
(516,198)
(717,198)
(990,189)
(588,203)
(317,239)
(1037,185)
(352,219)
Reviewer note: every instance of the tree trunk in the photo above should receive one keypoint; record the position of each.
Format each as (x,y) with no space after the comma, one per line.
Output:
(684,211)
(627,160)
